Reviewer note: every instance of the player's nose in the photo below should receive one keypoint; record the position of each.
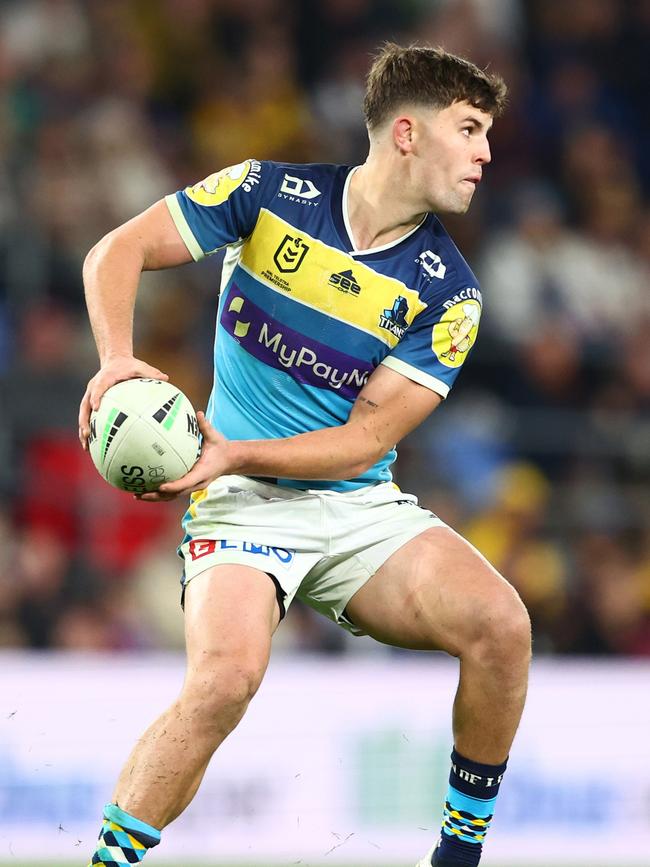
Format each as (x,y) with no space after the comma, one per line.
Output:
(483,154)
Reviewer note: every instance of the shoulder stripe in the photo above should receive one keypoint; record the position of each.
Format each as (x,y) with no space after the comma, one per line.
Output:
(417,375)
(183,227)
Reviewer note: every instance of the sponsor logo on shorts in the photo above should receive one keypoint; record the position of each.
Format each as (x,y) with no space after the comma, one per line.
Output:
(203,547)
(305,359)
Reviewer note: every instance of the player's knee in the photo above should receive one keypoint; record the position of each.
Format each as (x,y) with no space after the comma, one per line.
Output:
(221,686)
(503,633)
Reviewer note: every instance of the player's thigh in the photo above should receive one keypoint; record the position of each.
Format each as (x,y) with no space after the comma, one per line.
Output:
(231,613)
(436,592)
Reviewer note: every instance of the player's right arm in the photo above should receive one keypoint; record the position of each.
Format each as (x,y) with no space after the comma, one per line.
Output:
(111,276)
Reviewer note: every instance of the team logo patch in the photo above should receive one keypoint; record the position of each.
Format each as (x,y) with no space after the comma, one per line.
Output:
(217,187)
(290,254)
(394,320)
(454,335)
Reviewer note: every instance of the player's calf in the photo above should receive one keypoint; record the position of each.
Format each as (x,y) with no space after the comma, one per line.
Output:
(487,710)
(166,767)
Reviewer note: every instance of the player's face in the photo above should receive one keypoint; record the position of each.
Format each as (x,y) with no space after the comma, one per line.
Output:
(452,148)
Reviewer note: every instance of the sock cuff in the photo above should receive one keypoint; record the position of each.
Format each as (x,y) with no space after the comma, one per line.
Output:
(474,778)
(477,768)
(147,834)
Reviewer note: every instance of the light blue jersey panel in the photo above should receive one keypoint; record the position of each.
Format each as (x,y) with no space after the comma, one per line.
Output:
(255,416)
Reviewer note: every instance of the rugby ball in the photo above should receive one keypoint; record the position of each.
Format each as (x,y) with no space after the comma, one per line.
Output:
(144,433)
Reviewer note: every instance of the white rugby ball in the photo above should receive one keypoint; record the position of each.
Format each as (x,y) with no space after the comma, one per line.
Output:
(144,433)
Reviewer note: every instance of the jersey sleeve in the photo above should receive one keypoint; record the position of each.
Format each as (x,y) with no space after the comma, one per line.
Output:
(221,209)
(438,341)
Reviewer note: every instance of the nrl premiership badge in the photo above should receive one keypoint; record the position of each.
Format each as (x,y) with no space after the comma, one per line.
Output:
(290,254)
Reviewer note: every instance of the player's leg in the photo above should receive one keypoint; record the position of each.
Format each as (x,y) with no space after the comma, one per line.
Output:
(231,612)
(437,592)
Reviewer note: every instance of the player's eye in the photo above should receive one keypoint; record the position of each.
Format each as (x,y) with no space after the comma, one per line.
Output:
(467,130)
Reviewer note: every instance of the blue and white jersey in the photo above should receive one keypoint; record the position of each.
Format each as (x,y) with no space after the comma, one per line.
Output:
(304,317)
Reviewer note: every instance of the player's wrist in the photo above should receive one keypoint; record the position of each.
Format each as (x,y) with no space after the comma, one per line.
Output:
(237,456)
(110,356)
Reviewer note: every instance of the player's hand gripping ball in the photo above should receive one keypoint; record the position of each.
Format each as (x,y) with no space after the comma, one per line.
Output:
(144,433)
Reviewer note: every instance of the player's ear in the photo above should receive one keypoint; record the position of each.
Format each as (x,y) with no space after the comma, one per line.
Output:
(403,133)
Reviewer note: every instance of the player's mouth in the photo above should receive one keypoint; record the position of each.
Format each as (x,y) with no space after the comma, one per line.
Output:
(473,179)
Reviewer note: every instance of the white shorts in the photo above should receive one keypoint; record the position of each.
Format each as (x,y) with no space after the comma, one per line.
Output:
(320,546)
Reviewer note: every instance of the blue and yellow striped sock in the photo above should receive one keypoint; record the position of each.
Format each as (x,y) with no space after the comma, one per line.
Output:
(472,794)
(123,839)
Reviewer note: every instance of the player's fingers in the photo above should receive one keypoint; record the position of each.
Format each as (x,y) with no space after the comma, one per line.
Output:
(154,497)
(84,419)
(98,390)
(207,431)
(180,487)
(84,409)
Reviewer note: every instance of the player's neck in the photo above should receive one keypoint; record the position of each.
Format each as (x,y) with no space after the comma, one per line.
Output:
(378,211)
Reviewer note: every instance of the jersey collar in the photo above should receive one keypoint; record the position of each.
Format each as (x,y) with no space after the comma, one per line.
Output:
(340,208)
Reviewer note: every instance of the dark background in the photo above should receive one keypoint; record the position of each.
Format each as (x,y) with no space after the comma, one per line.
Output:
(541,455)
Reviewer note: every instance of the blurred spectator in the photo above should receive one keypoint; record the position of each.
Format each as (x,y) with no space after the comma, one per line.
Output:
(514,537)
(541,456)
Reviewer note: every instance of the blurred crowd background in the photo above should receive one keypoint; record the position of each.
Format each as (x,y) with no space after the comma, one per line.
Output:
(541,457)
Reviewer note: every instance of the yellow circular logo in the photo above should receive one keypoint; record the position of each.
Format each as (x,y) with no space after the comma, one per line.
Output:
(217,187)
(454,335)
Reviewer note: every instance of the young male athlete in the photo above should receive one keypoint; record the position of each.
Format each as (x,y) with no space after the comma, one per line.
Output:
(344,317)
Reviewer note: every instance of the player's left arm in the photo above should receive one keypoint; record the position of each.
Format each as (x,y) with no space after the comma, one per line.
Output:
(388,407)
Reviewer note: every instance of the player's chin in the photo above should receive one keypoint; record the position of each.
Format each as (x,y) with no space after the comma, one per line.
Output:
(465,198)
(457,203)
(458,206)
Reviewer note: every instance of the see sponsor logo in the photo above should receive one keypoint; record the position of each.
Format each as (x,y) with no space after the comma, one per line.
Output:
(345,281)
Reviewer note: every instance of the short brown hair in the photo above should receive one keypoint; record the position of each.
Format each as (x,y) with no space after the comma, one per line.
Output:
(427,76)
